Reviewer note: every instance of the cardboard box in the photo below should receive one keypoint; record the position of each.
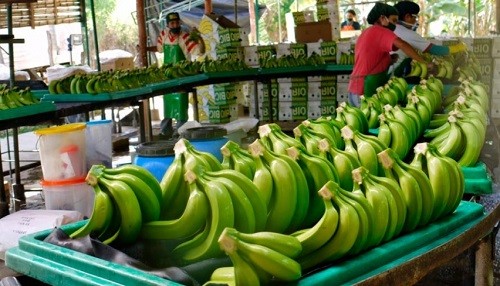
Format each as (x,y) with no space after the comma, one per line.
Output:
(313,32)
(264,109)
(328,12)
(253,55)
(342,91)
(118,64)
(296,50)
(482,47)
(224,32)
(495,47)
(291,91)
(219,113)
(343,78)
(322,90)
(495,91)
(327,50)
(232,53)
(495,108)
(317,108)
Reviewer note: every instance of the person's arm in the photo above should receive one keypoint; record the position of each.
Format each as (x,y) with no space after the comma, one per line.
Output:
(409,50)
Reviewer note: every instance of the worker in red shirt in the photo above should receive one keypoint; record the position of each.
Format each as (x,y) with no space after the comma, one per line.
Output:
(176,45)
(373,53)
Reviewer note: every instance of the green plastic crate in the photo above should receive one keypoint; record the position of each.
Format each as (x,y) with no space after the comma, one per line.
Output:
(477,180)
(60,266)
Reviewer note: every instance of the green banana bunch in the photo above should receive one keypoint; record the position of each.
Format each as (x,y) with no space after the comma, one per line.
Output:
(290,199)
(335,126)
(263,180)
(400,86)
(377,196)
(257,257)
(343,162)
(317,171)
(413,126)
(371,108)
(275,139)
(396,135)
(422,107)
(309,138)
(440,170)
(418,69)
(415,187)
(188,224)
(450,142)
(238,159)
(230,178)
(424,92)
(364,148)
(204,244)
(125,203)
(326,129)
(352,116)
(344,237)
(317,235)
(387,95)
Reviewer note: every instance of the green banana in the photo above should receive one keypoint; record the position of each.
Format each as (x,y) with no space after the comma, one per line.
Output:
(101,215)
(251,191)
(221,216)
(191,221)
(140,172)
(277,264)
(313,238)
(343,239)
(150,206)
(285,244)
(263,180)
(129,208)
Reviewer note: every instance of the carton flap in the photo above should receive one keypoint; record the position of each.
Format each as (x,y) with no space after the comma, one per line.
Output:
(222,21)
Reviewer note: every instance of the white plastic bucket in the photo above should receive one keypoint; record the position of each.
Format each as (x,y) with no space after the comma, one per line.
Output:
(72,194)
(99,143)
(62,151)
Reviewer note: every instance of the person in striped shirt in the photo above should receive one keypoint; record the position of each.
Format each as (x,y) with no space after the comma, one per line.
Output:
(176,45)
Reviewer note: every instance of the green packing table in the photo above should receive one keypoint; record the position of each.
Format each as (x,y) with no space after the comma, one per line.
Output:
(398,260)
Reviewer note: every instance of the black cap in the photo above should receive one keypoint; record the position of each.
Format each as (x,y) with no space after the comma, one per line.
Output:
(380,9)
(174,16)
(407,7)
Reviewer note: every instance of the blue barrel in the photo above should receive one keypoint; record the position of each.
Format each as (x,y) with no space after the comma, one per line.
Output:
(155,156)
(207,139)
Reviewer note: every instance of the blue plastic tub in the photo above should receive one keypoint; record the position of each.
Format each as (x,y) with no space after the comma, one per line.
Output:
(155,156)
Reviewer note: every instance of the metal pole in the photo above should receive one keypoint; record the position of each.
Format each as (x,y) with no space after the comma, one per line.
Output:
(96,42)
(257,22)
(11,45)
(85,31)
(236,12)
(279,22)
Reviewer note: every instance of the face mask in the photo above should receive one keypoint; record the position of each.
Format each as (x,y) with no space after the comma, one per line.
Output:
(391,26)
(350,19)
(175,30)
(412,27)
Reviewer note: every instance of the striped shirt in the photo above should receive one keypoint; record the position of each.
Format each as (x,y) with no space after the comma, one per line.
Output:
(188,47)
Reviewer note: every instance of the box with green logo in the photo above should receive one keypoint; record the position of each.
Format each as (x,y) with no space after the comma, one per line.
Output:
(224,93)
(328,12)
(292,110)
(264,110)
(290,91)
(263,90)
(294,49)
(317,108)
(231,37)
(231,53)
(327,50)
(322,90)
(482,47)
(219,113)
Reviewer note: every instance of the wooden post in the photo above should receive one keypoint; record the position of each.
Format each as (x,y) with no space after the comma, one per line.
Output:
(208,7)
(484,262)
(141,22)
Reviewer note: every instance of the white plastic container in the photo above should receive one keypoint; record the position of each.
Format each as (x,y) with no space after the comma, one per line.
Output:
(72,194)
(99,143)
(62,151)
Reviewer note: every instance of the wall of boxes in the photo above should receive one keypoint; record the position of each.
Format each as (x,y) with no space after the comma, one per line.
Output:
(291,99)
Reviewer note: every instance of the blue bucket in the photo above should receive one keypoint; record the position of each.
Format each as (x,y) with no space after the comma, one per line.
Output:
(155,156)
(207,139)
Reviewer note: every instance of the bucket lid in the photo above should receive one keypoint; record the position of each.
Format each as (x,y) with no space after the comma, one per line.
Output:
(72,181)
(60,129)
(156,148)
(98,122)
(204,132)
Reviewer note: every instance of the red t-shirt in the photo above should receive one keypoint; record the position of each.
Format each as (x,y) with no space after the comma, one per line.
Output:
(371,54)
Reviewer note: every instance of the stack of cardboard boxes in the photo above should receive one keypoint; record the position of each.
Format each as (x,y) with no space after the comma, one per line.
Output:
(218,103)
